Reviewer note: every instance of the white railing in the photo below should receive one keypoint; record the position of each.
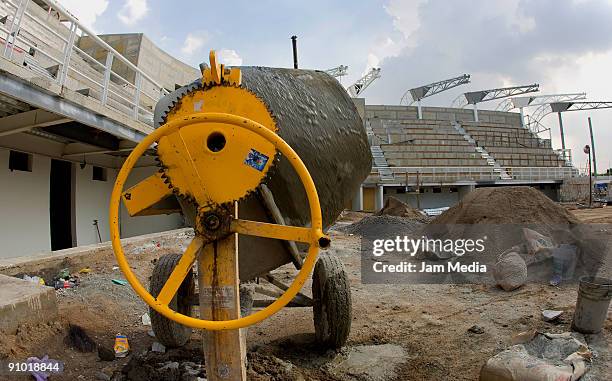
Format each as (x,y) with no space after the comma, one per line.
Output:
(133,93)
(541,173)
(441,174)
(450,174)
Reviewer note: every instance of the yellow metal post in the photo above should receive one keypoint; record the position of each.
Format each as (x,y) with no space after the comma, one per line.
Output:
(218,281)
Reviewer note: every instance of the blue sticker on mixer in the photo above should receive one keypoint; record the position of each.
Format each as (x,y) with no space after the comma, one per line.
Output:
(256,160)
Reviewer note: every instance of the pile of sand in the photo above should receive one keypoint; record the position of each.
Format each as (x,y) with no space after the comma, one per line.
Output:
(507,205)
(384,226)
(395,207)
(500,214)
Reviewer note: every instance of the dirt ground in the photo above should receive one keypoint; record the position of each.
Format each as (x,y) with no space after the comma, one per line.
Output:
(595,215)
(420,330)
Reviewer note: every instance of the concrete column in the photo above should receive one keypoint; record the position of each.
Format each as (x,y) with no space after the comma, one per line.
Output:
(379,200)
(475,113)
(358,200)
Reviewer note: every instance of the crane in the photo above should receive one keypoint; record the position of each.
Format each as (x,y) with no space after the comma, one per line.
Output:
(362,83)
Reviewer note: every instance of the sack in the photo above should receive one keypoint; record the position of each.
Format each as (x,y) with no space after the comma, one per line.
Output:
(543,357)
(510,271)
(536,242)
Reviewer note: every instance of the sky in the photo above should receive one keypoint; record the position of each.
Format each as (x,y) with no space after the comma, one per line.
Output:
(564,45)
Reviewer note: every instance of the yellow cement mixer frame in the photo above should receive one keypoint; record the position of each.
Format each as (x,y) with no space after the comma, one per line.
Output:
(313,235)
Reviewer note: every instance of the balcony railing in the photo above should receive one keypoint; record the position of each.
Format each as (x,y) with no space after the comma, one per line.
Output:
(45,40)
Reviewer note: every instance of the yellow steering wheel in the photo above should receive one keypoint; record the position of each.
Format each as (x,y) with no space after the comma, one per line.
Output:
(313,236)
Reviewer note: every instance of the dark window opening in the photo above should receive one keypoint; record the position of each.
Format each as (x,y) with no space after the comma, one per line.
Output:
(454,189)
(437,190)
(401,190)
(422,190)
(60,208)
(99,173)
(20,161)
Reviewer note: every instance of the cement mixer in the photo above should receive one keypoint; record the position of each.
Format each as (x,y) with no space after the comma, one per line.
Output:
(261,161)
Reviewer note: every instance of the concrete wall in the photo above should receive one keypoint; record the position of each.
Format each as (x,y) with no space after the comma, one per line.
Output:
(573,190)
(361,106)
(133,226)
(163,67)
(428,199)
(91,203)
(142,52)
(24,208)
(441,113)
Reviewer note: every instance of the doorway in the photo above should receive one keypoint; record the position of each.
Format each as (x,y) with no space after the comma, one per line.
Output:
(60,204)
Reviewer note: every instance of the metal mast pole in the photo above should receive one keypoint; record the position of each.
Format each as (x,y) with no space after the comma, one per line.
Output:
(561,129)
(593,148)
(590,182)
(295,56)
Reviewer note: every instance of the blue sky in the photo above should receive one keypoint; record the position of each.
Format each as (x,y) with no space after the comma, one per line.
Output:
(564,45)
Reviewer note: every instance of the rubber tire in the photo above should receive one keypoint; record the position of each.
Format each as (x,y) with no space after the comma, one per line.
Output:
(168,332)
(332,307)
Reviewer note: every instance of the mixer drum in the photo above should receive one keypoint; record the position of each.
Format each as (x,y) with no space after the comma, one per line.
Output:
(318,119)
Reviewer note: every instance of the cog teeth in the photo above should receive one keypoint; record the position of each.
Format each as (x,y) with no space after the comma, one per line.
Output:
(189,90)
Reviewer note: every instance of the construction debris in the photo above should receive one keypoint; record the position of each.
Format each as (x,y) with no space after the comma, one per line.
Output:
(158,347)
(122,346)
(550,315)
(541,357)
(510,271)
(478,330)
(146,319)
(383,226)
(395,207)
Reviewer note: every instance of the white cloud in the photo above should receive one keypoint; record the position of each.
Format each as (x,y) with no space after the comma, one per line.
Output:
(229,57)
(512,42)
(405,15)
(373,61)
(133,11)
(194,42)
(86,11)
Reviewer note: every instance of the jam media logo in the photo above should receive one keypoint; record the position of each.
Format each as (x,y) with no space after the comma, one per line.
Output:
(424,260)
(256,160)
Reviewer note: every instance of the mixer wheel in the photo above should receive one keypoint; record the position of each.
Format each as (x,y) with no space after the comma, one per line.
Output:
(332,308)
(168,332)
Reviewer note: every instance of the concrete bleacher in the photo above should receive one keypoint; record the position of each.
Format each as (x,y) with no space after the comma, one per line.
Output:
(513,146)
(419,143)
(448,146)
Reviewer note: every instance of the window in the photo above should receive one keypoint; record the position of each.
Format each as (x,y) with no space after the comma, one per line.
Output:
(99,173)
(437,190)
(19,161)
(454,190)
(401,190)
